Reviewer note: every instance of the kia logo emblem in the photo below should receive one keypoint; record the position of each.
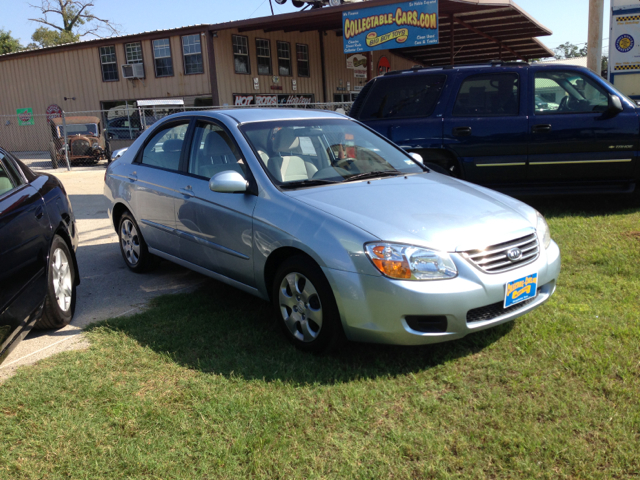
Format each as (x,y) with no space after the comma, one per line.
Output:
(514,254)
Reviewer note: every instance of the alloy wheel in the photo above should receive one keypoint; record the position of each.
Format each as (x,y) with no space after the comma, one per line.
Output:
(130,242)
(300,307)
(62,281)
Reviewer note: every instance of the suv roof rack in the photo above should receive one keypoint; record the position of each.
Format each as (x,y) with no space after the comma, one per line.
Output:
(492,63)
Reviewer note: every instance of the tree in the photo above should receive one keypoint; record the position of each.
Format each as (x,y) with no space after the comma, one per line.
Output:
(8,44)
(73,20)
(569,50)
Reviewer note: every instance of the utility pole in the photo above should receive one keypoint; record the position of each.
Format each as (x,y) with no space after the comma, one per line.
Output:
(594,39)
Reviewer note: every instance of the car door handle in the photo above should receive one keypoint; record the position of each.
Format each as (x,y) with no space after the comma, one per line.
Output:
(461,131)
(133,176)
(541,128)
(39,212)
(187,191)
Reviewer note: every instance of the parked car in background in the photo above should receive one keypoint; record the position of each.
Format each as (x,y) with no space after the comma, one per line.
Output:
(514,127)
(344,232)
(38,241)
(126,128)
(86,141)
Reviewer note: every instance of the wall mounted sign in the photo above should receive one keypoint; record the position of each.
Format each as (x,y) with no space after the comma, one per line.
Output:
(53,111)
(398,25)
(276,87)
(25,116)
(256,83)
(240,99)
(357,62)
(294,84)
(624,46)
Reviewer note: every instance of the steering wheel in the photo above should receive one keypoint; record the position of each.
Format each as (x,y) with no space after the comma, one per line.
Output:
(564,104)
(345,163)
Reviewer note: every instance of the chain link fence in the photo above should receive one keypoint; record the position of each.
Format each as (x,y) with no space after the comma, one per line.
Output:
(89,138)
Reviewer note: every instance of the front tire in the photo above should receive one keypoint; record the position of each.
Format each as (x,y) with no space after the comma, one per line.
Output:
(305,307)
(60,303)
(132,245)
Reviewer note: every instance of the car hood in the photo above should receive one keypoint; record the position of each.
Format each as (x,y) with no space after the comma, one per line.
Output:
(430,210)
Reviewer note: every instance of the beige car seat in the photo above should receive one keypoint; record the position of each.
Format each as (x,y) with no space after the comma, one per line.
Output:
(288,167)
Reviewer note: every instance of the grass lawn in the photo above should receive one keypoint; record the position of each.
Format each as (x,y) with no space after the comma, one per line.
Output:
(202,386)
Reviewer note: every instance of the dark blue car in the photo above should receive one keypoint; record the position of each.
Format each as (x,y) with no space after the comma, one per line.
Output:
(38,241)
(514,127)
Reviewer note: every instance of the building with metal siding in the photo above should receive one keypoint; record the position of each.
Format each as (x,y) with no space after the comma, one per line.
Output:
(87,76)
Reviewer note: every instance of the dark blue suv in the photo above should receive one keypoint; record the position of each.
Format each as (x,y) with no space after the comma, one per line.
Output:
(515,127)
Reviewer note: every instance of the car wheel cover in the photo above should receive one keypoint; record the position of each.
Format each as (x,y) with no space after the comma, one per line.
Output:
(130,242)
(62,281)
(300,307)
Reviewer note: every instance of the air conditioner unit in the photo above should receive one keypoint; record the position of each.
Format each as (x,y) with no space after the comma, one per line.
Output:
(135,70)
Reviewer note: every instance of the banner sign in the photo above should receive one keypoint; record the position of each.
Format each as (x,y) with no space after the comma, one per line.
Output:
(624,48)
(240,99)
(25,116)
(398,25)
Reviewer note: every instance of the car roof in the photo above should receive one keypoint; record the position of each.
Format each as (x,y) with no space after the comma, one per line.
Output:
(247,115)
(495,65)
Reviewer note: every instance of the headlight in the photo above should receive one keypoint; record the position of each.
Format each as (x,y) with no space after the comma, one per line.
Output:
(95,145)
(407,262)
(543,230)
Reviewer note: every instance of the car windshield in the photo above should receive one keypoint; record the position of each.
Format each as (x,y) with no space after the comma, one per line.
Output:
(300,153)
(79,129)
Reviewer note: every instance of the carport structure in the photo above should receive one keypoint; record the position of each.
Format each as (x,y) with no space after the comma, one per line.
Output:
(471,31)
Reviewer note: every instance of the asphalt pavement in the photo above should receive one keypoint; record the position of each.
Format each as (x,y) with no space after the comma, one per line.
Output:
(107,289)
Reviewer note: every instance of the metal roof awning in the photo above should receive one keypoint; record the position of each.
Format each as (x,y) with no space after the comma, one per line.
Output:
(161,102)
(471,31)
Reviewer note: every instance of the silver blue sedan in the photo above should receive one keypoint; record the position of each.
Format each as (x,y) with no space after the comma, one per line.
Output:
(345,233)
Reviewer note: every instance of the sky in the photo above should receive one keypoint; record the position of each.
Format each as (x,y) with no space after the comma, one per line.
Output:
(567,19)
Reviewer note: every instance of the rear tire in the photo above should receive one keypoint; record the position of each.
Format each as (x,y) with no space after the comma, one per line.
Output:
(132,245)
(53,155)
(60,303)
(305,307)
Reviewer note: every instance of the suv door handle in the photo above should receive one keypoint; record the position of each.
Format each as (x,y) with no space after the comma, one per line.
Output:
(541,128)
(461,131)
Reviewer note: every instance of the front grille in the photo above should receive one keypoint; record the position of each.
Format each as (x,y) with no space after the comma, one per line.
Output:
(80,148)
(495,310)
(494,259)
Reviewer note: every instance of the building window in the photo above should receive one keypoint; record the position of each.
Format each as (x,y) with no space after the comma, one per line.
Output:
(133,51)
(109,64)
(284,58)
(192,54)
(241,54)
(162,58)
(263,49)
(302,54)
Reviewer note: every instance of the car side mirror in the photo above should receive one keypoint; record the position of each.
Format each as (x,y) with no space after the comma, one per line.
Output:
(228,181)
(615,104)
(417,157)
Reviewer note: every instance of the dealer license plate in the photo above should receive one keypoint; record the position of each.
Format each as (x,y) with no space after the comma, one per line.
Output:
(520,290)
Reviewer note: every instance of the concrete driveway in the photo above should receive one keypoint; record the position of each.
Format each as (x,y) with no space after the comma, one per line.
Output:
(108,289)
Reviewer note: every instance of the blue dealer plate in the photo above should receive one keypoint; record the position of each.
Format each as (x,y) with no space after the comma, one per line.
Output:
(520,290)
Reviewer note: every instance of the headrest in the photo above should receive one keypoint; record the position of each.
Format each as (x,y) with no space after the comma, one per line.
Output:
(285,140)
(215,145)
(173,145)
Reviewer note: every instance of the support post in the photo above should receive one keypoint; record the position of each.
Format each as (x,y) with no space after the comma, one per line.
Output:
(453,40)
(66,140)
(594,37)
(323,66)
(369,66)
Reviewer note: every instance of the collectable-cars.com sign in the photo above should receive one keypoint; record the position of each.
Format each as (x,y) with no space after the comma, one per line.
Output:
(398,25)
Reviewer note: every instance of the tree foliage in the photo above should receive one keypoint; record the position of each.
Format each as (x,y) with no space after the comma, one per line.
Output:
(569,50)
(8,43)
(66,21)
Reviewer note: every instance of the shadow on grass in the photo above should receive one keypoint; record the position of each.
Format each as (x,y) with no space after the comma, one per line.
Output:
(221,330)
(584,205)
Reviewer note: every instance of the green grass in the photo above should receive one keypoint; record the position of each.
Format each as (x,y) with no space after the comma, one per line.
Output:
(202,386)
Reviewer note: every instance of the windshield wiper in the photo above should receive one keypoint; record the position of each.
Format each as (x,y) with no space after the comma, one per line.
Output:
(307,183)
(377,173)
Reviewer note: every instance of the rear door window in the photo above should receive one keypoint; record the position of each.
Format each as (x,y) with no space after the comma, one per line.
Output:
(488,95)
(403,96)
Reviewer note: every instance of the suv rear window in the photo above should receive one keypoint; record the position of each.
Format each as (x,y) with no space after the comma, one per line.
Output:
(403,96)
(488,95)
